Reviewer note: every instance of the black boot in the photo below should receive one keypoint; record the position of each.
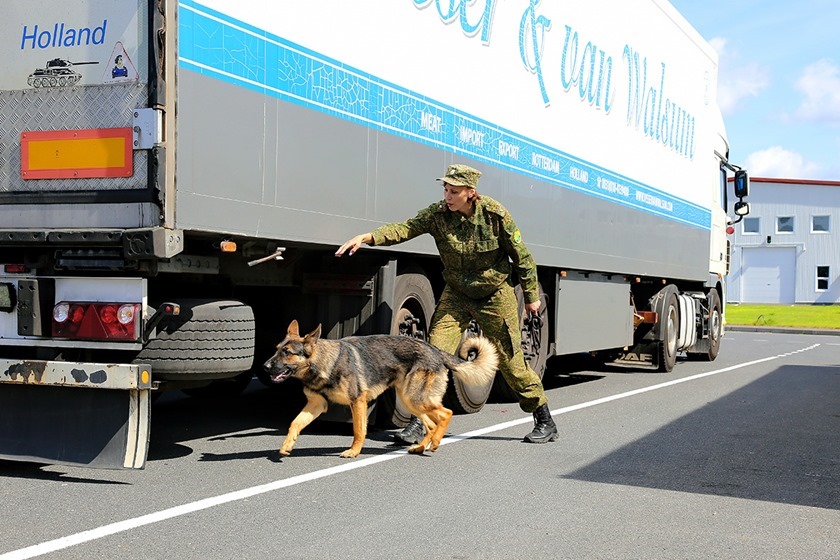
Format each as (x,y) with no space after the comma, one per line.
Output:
(413,432)
(545,429)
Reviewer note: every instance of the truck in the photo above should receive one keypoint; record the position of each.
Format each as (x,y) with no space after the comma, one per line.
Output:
(167,212)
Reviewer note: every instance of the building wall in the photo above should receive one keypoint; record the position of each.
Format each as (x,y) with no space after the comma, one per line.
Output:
(770,264)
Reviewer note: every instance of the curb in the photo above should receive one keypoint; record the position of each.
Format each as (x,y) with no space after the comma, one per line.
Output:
(788,330)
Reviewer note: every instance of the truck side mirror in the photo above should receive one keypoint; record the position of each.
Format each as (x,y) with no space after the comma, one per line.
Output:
(742,208)
(742,184)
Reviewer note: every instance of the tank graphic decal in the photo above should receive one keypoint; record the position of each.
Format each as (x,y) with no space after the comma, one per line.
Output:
(56,73)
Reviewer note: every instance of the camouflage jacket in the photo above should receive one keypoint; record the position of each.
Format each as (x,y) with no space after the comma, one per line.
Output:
(478,253)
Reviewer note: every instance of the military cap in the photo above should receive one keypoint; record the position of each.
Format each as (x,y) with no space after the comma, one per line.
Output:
(460,175)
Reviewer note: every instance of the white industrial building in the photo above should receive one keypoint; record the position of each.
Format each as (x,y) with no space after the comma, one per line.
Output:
(787,250)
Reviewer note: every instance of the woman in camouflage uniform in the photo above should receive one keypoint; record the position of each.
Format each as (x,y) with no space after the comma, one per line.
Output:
(480,246)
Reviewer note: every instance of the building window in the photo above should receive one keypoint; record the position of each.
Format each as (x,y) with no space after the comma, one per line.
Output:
(820,224)
(822,278)
(784,224)
(751,226)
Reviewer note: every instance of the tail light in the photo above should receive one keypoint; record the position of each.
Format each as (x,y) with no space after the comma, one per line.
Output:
(15,269)
(96,321)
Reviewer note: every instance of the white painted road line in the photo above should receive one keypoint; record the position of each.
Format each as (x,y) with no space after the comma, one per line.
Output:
(207,503)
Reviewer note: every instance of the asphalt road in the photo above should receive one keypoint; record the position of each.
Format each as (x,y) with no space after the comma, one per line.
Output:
(738,458)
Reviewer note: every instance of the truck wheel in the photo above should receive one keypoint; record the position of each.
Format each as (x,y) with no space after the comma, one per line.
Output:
(715,326)
(208,340)
(465,399)
(414,304)
(534,345)
(670,321)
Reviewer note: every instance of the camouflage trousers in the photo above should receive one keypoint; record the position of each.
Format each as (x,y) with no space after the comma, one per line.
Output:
(498,317)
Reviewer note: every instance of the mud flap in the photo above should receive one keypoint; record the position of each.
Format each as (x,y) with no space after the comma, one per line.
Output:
(89,415)
(643,354)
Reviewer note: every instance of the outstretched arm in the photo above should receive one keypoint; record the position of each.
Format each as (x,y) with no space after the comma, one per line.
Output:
(354,244)
(391,234)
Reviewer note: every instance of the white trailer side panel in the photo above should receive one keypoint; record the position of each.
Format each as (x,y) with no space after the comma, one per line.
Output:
(285,132)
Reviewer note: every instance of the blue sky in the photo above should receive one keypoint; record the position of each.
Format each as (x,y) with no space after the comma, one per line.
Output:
(779,85)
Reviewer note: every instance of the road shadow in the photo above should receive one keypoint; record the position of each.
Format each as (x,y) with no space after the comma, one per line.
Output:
(573,369)
(259,411)
(36,471)
(178,419)
(776,440)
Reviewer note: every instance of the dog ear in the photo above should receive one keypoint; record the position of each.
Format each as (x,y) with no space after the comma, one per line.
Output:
(293,328)
(314,335)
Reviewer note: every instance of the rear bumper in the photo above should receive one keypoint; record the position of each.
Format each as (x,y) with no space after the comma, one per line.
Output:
(81,414)
(76,374)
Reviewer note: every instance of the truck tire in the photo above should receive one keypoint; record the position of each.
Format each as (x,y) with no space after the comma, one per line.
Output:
(464,399)
(414,304)
(534,345)
(208,340)
(715,326)
(669,324)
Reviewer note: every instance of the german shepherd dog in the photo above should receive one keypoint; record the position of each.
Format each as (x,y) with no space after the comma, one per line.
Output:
(357,369)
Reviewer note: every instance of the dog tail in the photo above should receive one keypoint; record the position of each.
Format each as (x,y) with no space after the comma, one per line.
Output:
(480,360)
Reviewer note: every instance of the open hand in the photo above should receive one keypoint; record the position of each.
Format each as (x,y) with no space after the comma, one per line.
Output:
(352,245)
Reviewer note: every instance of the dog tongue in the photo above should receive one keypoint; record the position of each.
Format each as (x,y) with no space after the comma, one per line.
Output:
(278,377)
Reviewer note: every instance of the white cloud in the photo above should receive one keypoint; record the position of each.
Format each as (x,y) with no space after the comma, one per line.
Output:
(778,163)
(736,83)
(820,85)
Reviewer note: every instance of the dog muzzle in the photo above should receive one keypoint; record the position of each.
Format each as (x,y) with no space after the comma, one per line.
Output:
(277,374)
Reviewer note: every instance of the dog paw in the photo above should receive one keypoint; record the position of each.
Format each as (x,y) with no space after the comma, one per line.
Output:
(350,453)
(284,452)
(417,449)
